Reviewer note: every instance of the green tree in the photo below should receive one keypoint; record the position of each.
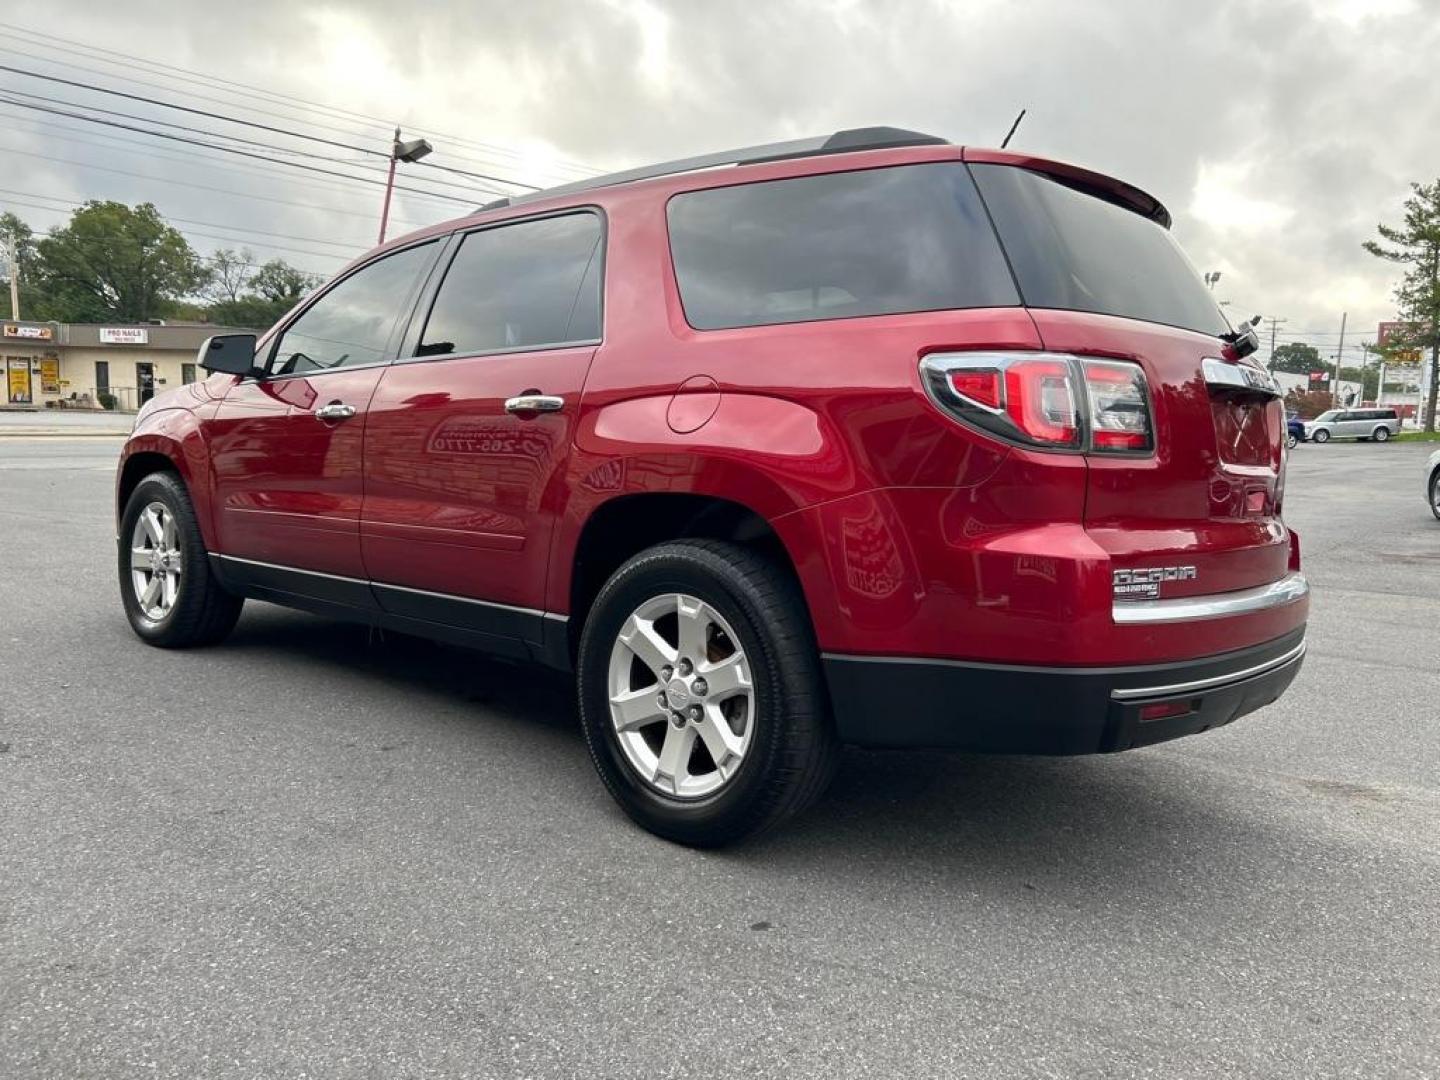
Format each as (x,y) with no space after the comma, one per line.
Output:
(16,232)
(1296,358)
(112,262)
(1416,245)
(274,289)
(280,283)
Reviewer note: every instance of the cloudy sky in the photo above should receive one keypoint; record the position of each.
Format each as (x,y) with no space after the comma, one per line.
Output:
(1277,131)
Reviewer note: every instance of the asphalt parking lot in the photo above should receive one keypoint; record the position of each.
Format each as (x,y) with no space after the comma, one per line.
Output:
(317,852)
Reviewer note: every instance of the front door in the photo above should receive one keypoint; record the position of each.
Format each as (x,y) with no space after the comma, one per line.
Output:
(17,384)
(468,434)
(286,449)
(144,382)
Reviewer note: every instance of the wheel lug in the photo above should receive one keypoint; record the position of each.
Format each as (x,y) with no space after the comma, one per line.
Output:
(663,699)
(699,687)
(667,673)
(685,666)
(678,719)
(696,713)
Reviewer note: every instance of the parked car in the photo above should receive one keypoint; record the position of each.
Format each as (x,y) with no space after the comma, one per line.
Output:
(1294,430)
(866,439)
(1376,424)
(1432,483)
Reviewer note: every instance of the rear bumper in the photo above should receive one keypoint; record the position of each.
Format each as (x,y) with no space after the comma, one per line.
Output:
(995,708)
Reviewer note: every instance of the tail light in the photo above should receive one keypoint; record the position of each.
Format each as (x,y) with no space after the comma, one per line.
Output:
(1119,407)
(1051,401)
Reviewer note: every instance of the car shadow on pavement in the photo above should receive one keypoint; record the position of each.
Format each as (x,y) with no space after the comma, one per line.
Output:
(1140,824)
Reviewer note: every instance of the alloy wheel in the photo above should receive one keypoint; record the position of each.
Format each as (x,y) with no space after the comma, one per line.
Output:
(156,564)
(682,697)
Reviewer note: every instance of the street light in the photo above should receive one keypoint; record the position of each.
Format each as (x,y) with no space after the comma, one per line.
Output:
(1211,277)
(411,151)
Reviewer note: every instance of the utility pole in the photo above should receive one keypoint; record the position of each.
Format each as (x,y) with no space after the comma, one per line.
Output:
(14,263)
(1274,325)
(1339,352)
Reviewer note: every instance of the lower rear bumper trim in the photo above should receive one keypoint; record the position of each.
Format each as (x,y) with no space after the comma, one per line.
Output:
(1014,709)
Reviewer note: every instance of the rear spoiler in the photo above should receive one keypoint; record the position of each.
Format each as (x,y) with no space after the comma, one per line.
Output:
(1092,183)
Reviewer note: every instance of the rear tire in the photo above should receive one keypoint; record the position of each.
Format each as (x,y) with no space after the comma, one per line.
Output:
(1321,436)
(170,595)
(1382,434)
(1291,442)
(694,609)
(1435,494)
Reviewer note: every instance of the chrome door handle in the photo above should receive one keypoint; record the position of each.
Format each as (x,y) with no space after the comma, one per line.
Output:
(335,411)
(534,403)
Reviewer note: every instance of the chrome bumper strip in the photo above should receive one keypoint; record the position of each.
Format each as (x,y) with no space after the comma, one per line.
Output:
(1287,590)
(1129,693)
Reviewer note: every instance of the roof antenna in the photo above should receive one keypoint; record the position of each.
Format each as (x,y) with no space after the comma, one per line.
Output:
(1011,132)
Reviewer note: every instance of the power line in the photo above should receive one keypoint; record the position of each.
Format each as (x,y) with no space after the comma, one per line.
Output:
(49,127)
(155,120)
(231,120)
(236,150)
(213,134)
(210,81)
(186,183)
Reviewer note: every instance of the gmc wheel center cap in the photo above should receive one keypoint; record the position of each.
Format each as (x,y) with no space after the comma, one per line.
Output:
(678,693)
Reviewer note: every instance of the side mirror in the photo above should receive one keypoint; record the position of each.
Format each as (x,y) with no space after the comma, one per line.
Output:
(234,354)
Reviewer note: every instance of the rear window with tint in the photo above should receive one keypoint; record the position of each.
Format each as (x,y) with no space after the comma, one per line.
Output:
(1076,251)
(834,246)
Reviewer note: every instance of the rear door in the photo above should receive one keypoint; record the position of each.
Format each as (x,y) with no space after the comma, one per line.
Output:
(286,449)
(1101,280)
(468,433)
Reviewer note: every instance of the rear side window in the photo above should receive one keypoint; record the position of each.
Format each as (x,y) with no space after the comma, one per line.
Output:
(877,242)
(1075,251)
(523,286)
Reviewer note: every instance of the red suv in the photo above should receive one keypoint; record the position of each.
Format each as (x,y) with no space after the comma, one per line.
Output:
(867,439)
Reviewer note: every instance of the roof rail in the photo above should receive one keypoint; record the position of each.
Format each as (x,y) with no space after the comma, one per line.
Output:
(870,138)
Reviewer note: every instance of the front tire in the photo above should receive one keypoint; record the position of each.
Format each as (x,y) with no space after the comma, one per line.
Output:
(701,694)
(1321,436)
(1435,494)
(170,595)
(1291,441)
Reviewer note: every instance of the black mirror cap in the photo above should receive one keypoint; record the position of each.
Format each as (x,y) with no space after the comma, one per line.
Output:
(233,354)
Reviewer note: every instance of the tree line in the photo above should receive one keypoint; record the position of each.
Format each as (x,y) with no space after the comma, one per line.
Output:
(116,263)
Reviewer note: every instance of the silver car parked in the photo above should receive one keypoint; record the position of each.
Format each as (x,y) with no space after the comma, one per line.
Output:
(1377,424)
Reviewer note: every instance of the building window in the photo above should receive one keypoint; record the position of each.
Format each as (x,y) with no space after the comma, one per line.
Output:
(102,376)
(187,373)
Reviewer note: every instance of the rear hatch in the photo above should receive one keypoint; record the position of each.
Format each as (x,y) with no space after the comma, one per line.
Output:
(1102,276)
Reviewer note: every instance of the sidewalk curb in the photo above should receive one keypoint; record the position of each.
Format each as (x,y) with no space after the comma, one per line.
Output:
(53,433)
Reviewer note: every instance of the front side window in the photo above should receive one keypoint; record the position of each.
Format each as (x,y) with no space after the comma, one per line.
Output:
(836,245)
(353,322)
(530,285)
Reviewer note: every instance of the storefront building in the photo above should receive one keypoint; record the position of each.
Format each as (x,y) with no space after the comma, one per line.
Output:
(97,366)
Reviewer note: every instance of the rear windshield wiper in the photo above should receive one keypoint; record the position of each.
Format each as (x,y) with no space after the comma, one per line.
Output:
(1243,340)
